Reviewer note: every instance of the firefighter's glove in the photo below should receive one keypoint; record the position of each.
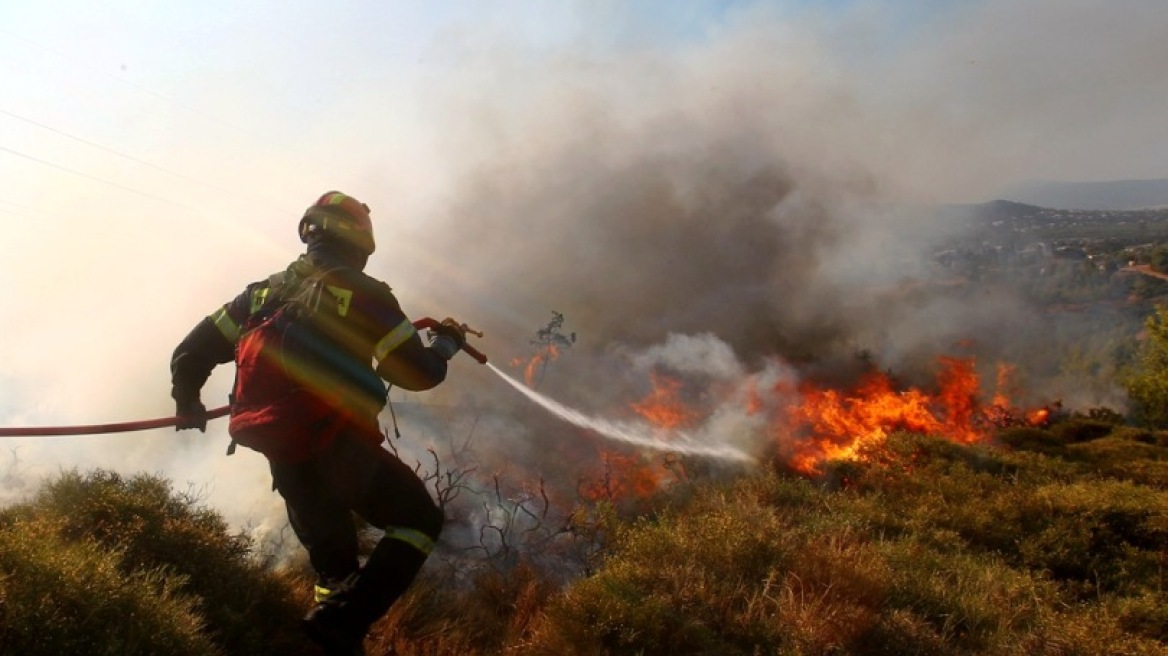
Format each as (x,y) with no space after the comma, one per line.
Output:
(449,338)
(190,414)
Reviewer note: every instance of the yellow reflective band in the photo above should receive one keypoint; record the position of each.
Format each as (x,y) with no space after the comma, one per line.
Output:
(344,298)
(415,539)
(226,325)
(258,297)
(320,593)
(394,339)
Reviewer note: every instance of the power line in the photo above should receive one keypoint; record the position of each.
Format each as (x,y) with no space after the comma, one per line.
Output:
(82,174)
(96,179)
(150,92)
(136,160)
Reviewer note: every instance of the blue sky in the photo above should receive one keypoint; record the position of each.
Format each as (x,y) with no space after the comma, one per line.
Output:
(156,155)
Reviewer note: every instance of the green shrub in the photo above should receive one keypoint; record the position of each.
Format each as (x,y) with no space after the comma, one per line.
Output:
(1122,458)
(973,602)
(740,572)
(63,596)
(1081,430)
(1105,535)
(1024,438)
(1145,614)
(1105,415)
(684,584)
(1134,434)
(244,608)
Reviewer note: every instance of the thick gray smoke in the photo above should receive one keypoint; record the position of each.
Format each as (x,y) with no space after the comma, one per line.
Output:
(690,224)
(764,186)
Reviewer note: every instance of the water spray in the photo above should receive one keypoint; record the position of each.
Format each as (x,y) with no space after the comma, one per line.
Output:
(636,434)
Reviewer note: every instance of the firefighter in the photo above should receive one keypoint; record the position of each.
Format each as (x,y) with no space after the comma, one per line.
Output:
(329,463)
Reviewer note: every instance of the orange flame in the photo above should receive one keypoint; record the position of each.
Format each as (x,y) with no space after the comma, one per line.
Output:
(625,476)
(638,475)
(532,366)
(1038,417)
(662,407)
(828,424)
(1005,385)
(811,424)
(835,425)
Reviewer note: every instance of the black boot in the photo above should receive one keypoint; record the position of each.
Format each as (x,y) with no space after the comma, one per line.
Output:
(340,622)
(334,626)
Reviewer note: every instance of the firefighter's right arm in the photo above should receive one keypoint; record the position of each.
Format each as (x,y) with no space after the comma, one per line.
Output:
(401,356)
(403,360)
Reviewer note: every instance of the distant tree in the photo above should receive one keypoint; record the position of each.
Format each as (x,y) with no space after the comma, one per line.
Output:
(550,342)
(1159,258)
(1147,380)
(550,335)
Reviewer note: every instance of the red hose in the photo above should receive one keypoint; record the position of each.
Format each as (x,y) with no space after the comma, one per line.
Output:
(95,429)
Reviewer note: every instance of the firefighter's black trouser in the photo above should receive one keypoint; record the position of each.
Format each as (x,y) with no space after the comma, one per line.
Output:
(355,475)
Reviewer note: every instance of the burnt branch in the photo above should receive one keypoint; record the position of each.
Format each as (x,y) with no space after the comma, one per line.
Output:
(448,484)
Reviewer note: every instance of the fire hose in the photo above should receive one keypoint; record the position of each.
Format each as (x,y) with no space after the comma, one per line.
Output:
(426,323)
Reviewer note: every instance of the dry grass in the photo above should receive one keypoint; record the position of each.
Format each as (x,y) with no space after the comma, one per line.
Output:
(1054,542)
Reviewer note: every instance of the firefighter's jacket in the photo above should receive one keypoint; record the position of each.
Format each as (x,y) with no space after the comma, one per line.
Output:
(370,333)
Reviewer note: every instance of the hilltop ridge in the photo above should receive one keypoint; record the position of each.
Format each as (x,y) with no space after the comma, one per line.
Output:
(1090,195)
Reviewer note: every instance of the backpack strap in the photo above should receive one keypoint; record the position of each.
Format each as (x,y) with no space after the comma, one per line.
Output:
(305,291)
(267,297)
(261,299)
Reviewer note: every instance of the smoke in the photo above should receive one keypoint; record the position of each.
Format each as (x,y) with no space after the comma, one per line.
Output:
(768,184)
(704,206)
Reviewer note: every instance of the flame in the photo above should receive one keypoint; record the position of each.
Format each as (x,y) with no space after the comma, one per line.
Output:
(534,365)
(825,424)
(811,424)
(1004,385)
(625,476)
(637,475)
(828,424)
(1038,417)
(662,407)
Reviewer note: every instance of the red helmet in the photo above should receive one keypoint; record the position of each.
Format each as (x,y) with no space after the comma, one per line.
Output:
(342,216)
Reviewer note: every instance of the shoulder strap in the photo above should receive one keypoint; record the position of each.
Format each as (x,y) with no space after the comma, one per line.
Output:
(267,297)
(303,290)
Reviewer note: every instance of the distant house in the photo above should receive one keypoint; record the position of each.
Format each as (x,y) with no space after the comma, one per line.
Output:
(1071,253)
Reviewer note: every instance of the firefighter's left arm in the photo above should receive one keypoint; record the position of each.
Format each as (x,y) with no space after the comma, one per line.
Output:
(210,343)
(200,351)
(190,366)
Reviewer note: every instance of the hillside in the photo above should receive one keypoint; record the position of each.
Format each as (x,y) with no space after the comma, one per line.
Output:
(1020,226)
(1045,541)
(1101,195)
(1010,214)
